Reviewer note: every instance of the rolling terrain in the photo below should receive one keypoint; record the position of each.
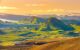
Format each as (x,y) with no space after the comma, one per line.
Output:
(68,44)
(39,33)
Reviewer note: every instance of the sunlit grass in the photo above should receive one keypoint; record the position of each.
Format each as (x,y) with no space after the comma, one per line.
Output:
(77,28)
(7,43)
(9,37)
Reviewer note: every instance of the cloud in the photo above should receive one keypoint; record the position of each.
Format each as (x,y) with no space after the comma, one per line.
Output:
(6,8)
(34,4)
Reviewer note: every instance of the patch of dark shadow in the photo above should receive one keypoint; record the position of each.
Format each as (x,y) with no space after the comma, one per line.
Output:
(34,43)
(30,43)
(40,43)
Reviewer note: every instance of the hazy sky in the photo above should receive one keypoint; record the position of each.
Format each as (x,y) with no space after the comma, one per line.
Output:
(39,6)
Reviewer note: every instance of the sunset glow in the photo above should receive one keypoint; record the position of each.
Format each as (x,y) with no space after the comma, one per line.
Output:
(35,7)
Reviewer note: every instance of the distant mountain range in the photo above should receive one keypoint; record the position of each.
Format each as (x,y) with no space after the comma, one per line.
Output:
(13,17)
(54,21)
(18,17)
(39,25)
